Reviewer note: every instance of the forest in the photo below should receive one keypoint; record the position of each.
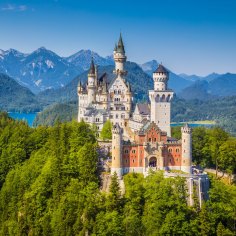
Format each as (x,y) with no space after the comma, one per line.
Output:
(50,185)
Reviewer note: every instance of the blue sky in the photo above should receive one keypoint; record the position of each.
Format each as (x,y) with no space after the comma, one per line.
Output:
(190,36)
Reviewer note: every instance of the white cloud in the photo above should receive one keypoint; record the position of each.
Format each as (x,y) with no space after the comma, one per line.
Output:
(11,7)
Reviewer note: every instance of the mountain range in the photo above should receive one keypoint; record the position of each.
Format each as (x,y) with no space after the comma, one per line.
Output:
(213,86)
(43,69)
(46,73)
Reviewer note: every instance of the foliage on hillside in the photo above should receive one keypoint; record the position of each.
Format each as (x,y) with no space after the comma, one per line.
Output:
(222,110)
(212,148)
(50,186)
(14,97)
(55,113)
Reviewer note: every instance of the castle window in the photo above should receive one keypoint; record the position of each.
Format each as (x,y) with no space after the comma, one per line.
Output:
(170,160)
(114,147)
(133,151)
(184,140)
(114,158)
(169,150)
(149,139)
(126,151)
(184,150)
(155,139)
(117,116)
(133,160)
(126,161)
(177,150)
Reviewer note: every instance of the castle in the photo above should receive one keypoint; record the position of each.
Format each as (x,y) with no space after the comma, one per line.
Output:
(141,139)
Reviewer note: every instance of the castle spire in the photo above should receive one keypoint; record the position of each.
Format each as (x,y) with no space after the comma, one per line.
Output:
(115,48)
(120,47)
(92,68)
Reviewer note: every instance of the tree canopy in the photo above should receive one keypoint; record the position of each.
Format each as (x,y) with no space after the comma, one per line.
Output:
(50,185)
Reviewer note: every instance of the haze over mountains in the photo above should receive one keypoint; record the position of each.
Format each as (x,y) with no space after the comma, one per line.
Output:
(44,70)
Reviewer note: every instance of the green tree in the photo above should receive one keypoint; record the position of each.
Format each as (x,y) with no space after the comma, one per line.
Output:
(106,133)
(227,157)
(215,138)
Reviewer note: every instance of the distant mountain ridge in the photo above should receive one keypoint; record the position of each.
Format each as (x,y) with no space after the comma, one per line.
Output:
(220,86)
(43,69)
(82,59)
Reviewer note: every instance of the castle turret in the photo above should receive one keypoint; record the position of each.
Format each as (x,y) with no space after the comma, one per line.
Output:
(129,97)
(160,99)
(160,77)
(116,165)
(92,80)
(119,57)
(104,95)
(186,163)
(80,88)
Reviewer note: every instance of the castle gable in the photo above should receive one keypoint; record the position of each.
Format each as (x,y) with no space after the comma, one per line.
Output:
(118,86)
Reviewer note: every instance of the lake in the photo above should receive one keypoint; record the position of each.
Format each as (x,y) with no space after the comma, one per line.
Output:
(28,117)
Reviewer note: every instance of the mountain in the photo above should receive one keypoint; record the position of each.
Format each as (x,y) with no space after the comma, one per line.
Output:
(194,78)
(82,59)
(220,86)
(14,97)
(190,77)
(44,69)
(149,66)
(56,112)
(40,70)
(198,90)
(176,82)
(139,80)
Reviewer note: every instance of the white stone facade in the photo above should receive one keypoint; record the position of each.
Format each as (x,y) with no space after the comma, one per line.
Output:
(100,101)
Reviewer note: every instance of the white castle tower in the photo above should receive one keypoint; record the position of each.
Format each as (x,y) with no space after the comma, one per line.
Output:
(92,84)
(116,165)
(160,99)
(186,164)
(119,57)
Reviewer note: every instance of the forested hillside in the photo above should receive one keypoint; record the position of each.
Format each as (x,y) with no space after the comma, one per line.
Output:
(14,97)
(49,185)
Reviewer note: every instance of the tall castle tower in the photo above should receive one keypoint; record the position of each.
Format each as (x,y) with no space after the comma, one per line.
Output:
(117,147)
(119,57)
(92,82)
(160,99)
(186,164)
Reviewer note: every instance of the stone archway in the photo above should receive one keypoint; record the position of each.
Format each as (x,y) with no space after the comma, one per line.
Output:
(152,162)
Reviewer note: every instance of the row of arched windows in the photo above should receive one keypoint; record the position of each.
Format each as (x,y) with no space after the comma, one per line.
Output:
(171,150)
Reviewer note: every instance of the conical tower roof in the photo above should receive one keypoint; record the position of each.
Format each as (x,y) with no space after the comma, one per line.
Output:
(161,69)
(120,46)
(92,67)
